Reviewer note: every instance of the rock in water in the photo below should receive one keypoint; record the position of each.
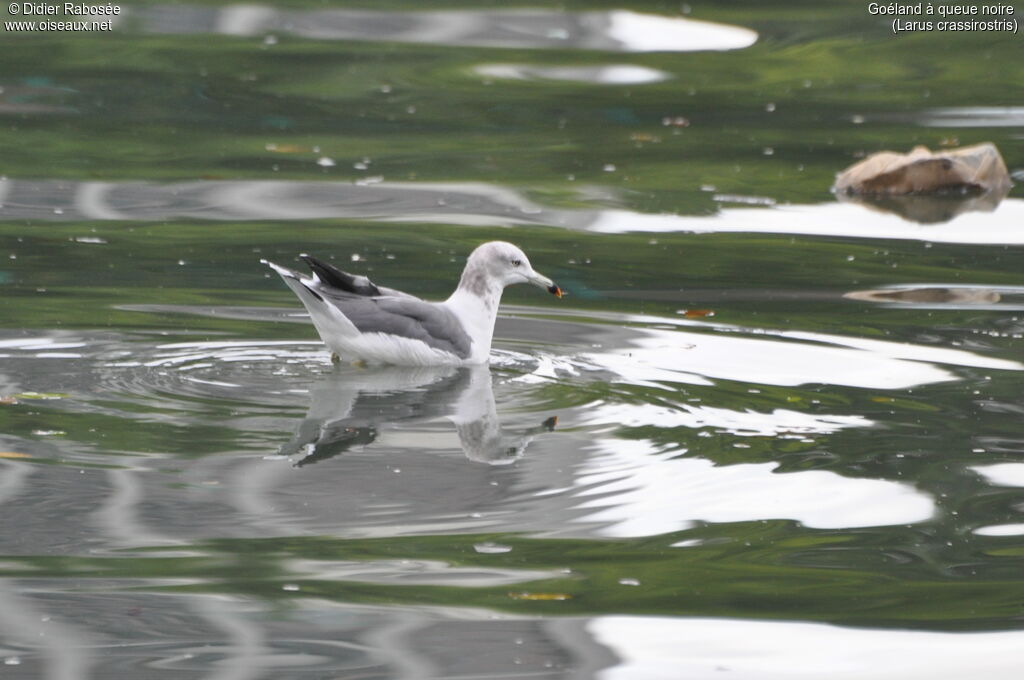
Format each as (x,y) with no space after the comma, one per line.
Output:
(972,169)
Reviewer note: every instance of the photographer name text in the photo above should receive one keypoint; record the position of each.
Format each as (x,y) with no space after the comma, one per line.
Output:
(74,16)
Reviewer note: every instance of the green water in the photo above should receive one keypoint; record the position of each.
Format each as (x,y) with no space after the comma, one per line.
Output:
(719,452)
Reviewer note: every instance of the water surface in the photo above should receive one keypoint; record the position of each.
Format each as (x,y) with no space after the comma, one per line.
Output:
(767,432)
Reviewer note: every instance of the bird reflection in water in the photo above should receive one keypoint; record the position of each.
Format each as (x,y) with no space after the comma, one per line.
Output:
(351,407)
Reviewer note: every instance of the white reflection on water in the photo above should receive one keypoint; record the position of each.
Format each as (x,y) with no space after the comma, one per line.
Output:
(409,572)
(649,356)
(969,116)
(648,32)
(655,648)
(471,203)
(1003,474)
(678,356)
(1003,225)
(749,423)
(1001,530)
(607,74)
(614,30)
(25,625)
(641,491)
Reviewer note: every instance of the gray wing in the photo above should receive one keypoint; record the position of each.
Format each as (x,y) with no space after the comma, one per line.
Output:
(406,317)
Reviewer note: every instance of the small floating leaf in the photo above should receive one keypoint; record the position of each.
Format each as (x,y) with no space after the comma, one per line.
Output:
(696,313)
(287,148)
(540,597)
(13,454)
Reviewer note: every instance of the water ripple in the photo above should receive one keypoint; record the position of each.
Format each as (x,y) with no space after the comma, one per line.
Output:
(615,30)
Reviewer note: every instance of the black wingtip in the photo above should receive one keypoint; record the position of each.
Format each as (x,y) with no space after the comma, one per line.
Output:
(332,276)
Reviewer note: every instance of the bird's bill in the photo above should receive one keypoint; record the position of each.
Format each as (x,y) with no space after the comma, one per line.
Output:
(544,282)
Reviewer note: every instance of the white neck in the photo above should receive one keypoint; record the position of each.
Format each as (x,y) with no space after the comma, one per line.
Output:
(477,313)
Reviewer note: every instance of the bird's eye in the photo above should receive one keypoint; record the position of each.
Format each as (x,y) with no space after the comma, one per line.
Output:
(516,263)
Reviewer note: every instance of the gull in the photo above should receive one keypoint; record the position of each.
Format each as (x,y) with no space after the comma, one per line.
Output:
(360,321)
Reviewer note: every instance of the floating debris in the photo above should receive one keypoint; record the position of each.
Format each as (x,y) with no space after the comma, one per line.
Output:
(641,137)
(287,148)
(540,597)
(932,294)
(927,187)
(978,168)
(696,313)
